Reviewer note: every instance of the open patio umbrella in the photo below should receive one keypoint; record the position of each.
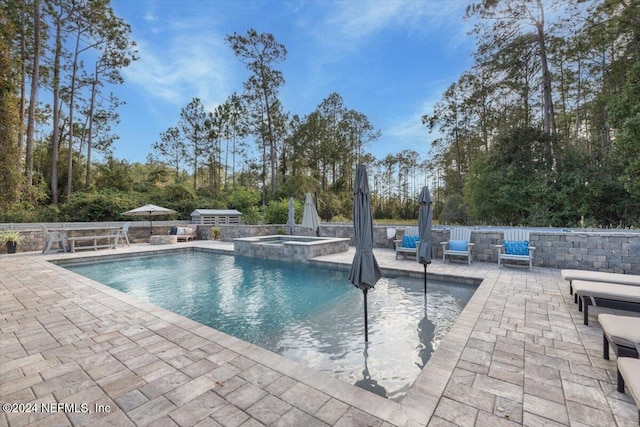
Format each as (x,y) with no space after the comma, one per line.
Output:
(310,215)
(425,216)
(365,271)
(291,220)
(150,211)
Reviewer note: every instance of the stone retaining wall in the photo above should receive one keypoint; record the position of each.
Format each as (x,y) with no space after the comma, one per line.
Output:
(617,252)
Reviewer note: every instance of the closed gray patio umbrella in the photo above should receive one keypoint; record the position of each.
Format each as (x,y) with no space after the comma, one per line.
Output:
(425,216)
(291,220)
(365,271)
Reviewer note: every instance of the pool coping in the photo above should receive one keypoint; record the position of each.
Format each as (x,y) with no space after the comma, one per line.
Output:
(418,405)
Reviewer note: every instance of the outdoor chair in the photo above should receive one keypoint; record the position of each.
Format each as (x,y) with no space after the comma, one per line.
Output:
(609,295)
(628,369)
(515,247)
(459,244)
(122,234)
(52,237)
(620,332)
(183,233)
(409,242)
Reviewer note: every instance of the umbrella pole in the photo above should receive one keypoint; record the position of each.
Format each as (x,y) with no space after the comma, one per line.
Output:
(366,326)
(425,278)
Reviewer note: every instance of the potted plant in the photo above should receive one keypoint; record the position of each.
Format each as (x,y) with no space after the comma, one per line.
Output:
(11,238)
(215,232)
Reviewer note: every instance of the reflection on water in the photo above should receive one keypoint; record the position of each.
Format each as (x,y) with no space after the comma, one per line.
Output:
(367,382)
(311,315)
(426,329)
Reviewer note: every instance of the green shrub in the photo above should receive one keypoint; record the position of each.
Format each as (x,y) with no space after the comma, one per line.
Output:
(252,216)
(277,211)
(92,207)
(243,198)
(20,212)
(215,233)
(181,198)
(455,211)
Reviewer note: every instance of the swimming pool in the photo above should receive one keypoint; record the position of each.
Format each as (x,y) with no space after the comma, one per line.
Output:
(305,313)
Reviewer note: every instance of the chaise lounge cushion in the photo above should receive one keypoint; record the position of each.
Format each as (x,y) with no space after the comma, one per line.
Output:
(612,291)
(629,368)
(601,276)
(621,330)
(516,247)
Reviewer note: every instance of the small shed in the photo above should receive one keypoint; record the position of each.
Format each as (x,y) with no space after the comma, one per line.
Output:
(215,217)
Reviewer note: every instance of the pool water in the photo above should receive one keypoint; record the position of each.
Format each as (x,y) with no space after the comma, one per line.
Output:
(308,314)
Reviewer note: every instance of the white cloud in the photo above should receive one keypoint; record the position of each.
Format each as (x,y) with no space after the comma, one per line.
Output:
(189,65)
(182,55)
(408,132)
(348,23)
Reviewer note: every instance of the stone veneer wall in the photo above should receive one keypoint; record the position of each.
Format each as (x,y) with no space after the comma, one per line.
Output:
(230,232)
(298,253)
(33,239)
(617,252)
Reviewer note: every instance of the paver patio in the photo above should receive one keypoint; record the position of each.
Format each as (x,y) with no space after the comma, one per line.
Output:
(518,355)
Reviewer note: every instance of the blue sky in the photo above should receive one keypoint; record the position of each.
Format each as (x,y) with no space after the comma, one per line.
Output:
(389,59)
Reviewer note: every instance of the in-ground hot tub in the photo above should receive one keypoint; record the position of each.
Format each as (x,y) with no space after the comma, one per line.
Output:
(290,248)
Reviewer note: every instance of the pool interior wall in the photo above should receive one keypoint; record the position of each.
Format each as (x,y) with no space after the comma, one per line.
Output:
(400,344)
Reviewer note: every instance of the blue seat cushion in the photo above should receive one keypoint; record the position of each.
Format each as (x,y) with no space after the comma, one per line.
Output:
(520,247)
(458,245)
(410,241)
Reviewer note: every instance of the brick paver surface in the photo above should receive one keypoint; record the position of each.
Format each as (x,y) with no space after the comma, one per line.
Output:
(74,352)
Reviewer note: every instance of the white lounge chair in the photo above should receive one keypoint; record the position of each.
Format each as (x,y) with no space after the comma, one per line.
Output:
(459,244)
(52,237)
(409,242)
(516,247)
(122,234)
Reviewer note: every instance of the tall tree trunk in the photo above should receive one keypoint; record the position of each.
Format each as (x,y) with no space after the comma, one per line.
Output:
(33,99)
(94,85)
(233,167)
(23,77)
(71,108)
(55,138)
(549,124)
